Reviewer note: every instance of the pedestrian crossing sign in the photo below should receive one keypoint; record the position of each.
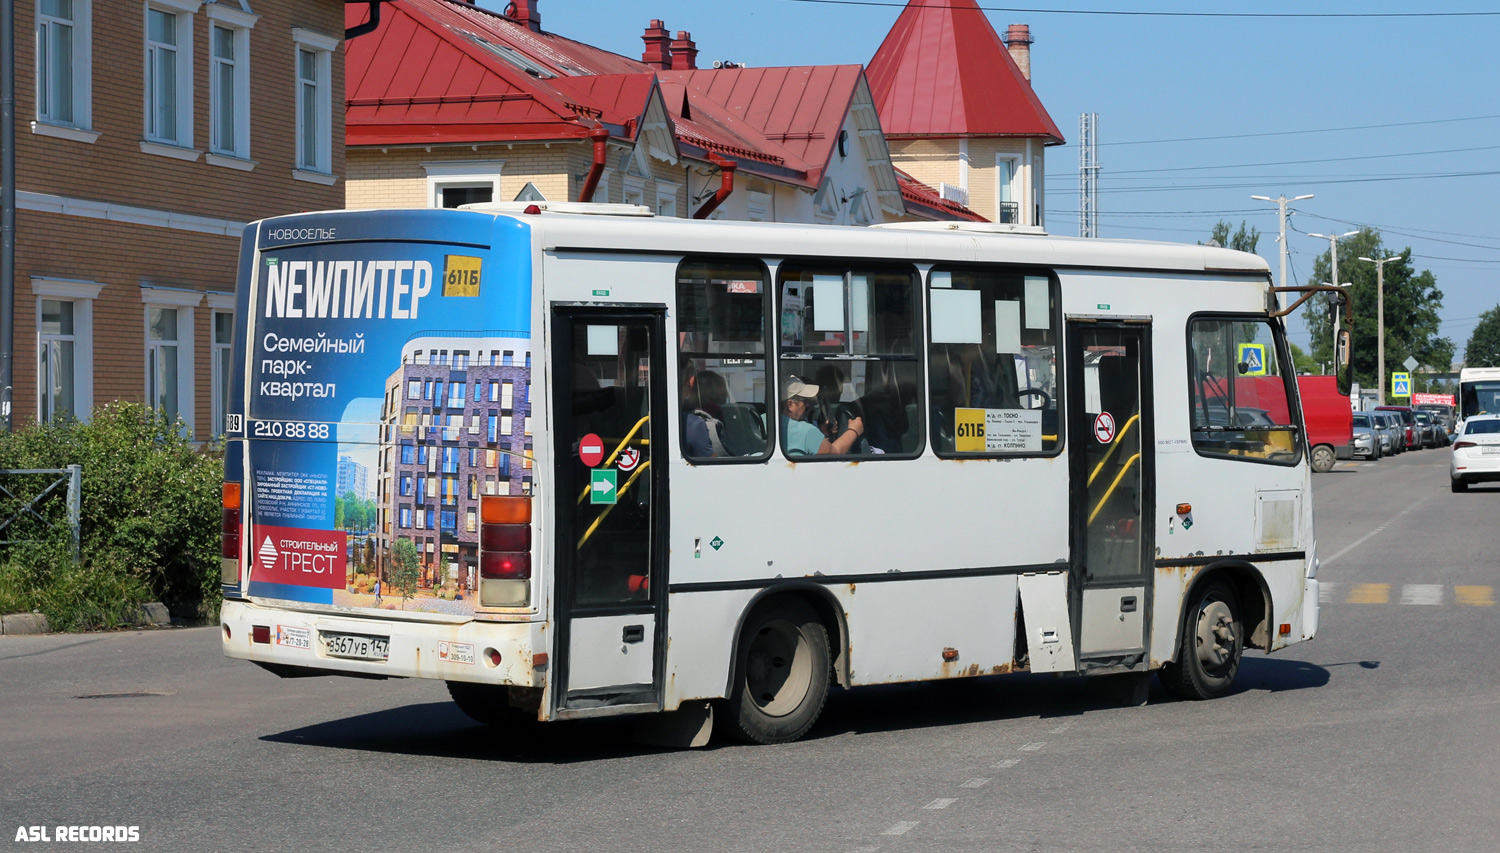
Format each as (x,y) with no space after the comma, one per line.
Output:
(1400,384)
(1252,359)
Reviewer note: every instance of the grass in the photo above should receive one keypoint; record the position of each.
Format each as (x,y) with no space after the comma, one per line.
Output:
(73,598)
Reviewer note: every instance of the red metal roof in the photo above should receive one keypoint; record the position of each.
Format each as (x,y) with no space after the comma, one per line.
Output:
(943,71)
(922,200)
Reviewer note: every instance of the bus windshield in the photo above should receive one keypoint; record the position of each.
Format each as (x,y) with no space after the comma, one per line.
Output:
(1479,398)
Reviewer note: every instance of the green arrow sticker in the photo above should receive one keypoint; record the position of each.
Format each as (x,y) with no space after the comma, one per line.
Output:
(602,486)
(716,542)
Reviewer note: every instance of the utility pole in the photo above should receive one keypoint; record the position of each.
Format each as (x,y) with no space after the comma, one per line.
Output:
(1333,258)
(7,204)
(1380,321)
(1088,175)
(1281,209)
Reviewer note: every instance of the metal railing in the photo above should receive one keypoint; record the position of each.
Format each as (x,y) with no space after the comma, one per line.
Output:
(71,475)
(1010,212)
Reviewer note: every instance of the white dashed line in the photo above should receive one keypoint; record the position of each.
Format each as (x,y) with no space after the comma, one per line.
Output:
(1365,538)
(1062,728)
(941,803)
(901,828)
(1033,746)
(1422,593)
(974,783)
(1009,762)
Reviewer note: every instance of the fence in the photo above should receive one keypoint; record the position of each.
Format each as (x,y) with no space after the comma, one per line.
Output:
(26,508)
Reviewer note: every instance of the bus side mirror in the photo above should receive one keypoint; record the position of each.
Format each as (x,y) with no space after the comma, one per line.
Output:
(1343,362)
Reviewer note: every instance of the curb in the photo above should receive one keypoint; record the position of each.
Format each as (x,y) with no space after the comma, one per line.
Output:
(15,624)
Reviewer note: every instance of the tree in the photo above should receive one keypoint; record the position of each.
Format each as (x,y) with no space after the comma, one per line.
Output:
(405,569)
(1412,301)
(1483,348)
(1240,241)
(1303,362)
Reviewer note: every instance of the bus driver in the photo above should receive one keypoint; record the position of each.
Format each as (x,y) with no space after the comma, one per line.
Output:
(804,439)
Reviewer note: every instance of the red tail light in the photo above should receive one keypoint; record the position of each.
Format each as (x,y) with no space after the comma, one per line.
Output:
(505,537)
(505,550)
(501,565)
(1460,445)
(229,535)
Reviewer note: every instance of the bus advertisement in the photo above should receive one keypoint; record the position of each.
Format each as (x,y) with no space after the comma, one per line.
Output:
(628,464)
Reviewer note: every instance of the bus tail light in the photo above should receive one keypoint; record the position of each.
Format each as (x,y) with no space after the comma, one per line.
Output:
(229,537)
(505,551)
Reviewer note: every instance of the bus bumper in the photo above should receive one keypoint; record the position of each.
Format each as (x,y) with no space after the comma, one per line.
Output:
(447,651)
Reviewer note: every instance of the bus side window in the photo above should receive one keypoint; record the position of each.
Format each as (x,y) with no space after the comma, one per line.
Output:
(992,362)
(723,392)
(1241,408)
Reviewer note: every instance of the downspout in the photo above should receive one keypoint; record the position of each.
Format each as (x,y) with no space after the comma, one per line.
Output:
(726,185)
(368,26)
(7,206)
(600,136)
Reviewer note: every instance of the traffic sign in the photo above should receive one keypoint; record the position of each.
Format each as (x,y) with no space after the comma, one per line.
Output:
(591,450)
(1252,358)
(1400,384)
(602,486)
(1410,363)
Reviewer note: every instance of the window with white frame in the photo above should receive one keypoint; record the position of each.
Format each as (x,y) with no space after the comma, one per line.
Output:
(63,63)
(169,72)
(635,190)
(169,351)
(229,80)
(314,64)
(65,354)
(1006,207)
(463,182)
(221,307)
(666,198)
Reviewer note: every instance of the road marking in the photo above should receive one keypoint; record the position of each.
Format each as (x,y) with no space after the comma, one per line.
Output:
(1422,593)
(1370,593)
(1007,763)
(901,828)
(941,803)
(1033,746)
(1361,540)
(1062,728)
(1475,596)
(1325,592)
(974,783)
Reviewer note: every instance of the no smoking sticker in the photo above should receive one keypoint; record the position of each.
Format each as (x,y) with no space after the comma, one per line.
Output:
(1104,427)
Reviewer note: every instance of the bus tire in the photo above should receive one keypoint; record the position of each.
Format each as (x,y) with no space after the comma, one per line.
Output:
(1212,641)
(781,673)
(488,704)
(1323,459)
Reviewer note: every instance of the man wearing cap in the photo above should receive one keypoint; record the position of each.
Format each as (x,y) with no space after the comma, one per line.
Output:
(802,438)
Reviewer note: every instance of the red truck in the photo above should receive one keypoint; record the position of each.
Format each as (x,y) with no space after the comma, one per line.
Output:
(1329,419)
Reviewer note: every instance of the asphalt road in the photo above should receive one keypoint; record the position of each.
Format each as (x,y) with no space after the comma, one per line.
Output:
(1382,734)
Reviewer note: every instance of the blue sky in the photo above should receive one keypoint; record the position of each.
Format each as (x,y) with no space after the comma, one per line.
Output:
(1173,78)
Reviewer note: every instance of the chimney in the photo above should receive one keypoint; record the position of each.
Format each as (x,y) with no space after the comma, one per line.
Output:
(658,46)
(684,52)
(1018,42)
(524,13)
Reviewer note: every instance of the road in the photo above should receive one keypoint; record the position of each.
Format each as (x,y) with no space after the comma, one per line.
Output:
(1382,734)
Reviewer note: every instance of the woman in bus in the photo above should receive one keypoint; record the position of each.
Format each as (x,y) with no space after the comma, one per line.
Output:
(805,439)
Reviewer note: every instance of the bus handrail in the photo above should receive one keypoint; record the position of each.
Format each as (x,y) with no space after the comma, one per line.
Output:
(615,455)
(607,510)
(1112,445)
(1111,490)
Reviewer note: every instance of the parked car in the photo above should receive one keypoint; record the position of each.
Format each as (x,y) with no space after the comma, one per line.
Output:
(1476,452)
(1432,431)
(1444,415)
(1391,423)
(1368,441)
(1329,420)
(1386,429)
(1409,422)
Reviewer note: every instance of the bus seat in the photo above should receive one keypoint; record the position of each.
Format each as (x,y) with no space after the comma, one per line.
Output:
(744,433)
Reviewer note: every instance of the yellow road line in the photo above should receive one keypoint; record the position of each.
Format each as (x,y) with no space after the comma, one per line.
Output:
(1369,593)
(1474,596)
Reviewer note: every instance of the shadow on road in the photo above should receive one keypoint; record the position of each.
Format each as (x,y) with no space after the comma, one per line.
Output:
(1278,675)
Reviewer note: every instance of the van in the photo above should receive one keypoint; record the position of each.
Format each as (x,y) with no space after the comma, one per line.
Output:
(1330,421)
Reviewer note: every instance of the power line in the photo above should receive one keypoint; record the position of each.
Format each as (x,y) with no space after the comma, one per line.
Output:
(1395,230)
(1307,181)
(1119,172)
(900,4)
(1296,132)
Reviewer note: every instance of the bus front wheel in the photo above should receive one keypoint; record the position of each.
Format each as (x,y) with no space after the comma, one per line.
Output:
(1212,643)
(781,673)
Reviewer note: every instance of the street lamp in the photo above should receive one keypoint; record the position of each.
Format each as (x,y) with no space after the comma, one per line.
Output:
(1333,257)
(1281,208)
(1380,320)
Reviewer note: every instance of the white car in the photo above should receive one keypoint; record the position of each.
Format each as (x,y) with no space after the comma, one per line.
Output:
(1476,452)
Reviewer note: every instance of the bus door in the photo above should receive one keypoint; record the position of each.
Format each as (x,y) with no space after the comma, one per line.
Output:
(1111,436)
(609,387)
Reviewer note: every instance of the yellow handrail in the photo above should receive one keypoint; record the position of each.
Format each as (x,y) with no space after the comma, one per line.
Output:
(1112,445)
(621,446)
(1111,490)
(611,508)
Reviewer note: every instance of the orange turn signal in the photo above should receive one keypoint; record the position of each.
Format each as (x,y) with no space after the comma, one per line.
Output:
(505,509)
(231,495)
(1184,509)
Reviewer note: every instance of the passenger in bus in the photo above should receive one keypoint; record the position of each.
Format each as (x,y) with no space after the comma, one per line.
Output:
(802,438)
(703,401)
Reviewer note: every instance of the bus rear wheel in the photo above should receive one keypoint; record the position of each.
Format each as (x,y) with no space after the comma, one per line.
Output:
(1209,656)
(781,673)
(488,704)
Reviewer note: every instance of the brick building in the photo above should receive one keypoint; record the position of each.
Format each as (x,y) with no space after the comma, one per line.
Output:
(148,133)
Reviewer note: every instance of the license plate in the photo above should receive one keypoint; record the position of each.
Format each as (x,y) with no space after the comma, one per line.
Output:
(1490,450)
(357,646)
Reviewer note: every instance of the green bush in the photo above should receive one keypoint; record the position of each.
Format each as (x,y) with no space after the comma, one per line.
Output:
(149,518)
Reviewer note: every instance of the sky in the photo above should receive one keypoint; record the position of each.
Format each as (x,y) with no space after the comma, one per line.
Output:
(1400,115)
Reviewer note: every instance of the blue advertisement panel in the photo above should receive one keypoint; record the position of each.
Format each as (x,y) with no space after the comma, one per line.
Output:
(389,389)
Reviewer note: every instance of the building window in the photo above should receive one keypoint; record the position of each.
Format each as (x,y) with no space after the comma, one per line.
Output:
(55,333)
(413,389)
(162,369)
(63,62)
(405,485)
(229,80)
(759,207)
(1006,208)
(223,322)
(666,199)
(169,72)
(314,101)
(464,182)
(507,395)
(471,521)
(406,517)
(408,454)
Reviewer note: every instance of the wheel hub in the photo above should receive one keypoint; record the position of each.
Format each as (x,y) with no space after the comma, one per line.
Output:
(1216,638)
(778,668)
